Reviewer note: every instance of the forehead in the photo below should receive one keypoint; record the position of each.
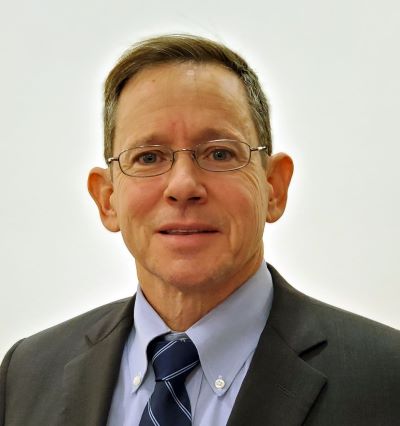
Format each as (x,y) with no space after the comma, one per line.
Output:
(182,100)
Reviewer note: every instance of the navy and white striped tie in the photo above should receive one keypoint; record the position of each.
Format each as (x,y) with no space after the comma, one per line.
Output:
(169,404)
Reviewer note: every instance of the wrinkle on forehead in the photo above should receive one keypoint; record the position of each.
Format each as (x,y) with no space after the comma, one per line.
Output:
(143,83)
(166,97)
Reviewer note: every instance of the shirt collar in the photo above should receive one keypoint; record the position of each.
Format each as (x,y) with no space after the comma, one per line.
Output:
(224,338)
(147,326)
(229,334)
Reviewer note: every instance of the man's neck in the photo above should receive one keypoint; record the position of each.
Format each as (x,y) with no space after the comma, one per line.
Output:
(179,307)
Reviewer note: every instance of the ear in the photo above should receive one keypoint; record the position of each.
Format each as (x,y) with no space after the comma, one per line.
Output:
(279,175)
(101,189)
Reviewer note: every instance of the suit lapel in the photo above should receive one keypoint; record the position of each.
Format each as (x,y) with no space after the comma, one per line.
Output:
(90,378)
(280,387)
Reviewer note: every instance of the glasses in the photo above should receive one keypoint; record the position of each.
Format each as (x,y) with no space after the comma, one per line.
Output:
(222,155)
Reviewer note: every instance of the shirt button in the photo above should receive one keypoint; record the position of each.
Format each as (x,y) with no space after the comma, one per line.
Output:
(137,380)
(220,383)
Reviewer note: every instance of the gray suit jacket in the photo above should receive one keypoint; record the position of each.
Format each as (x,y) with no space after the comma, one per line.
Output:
(314,365)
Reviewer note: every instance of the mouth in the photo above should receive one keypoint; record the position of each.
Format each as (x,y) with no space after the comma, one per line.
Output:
(187,231)
(181,229)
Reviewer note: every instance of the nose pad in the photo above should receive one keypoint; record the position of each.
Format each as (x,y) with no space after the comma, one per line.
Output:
(186,150)
(186,164)
(183,181)
(183,160)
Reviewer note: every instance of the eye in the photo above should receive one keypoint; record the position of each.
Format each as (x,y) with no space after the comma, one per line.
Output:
(147,158)
(221,154)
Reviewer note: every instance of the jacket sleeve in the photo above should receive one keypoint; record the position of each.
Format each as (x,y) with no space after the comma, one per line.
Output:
(3,382)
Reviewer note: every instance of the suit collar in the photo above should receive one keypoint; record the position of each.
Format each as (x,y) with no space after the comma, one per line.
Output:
(280,387)
(90,377)
(293,316)
(121,311)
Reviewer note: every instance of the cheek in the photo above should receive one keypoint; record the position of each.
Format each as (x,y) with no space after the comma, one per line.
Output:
(133,202)
(254,195)
(247,199)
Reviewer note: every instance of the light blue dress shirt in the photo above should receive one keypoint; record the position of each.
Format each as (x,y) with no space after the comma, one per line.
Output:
(225,339)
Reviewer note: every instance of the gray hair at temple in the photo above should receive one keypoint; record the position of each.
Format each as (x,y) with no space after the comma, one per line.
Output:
(182,48)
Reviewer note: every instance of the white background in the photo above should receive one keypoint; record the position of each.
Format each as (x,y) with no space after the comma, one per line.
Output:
(331,70)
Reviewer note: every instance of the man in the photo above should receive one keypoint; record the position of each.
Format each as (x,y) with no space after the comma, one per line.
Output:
(190,182)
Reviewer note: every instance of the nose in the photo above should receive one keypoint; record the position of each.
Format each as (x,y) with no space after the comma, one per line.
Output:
(184,181)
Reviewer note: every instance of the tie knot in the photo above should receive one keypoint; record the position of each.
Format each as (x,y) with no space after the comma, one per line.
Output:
(173,359)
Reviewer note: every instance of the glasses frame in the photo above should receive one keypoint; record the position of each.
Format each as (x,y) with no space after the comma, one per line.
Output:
(193,150)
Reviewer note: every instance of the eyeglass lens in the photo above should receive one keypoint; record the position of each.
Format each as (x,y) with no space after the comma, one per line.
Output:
(215,156)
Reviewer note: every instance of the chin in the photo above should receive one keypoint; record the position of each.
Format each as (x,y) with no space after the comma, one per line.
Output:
(187,277)
(190,274)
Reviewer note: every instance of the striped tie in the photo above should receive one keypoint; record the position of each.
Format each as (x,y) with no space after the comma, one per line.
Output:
(169,404)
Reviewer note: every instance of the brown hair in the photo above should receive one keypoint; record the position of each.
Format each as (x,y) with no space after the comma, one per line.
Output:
(182,48)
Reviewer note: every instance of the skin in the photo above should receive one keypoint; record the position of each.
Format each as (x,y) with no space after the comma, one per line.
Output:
(180,105)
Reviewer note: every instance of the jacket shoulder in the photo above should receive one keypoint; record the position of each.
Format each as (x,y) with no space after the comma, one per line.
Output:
(36,365)
(359,358)
(62,342)
(337,323)
(75,326)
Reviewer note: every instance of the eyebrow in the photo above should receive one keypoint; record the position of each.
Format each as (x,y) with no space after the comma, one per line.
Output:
(204,135)
(217,133)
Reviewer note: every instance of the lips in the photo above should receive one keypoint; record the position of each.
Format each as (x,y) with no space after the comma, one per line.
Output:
(186,232)
(180,229)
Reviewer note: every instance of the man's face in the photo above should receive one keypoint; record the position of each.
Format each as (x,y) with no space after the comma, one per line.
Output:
(189,228)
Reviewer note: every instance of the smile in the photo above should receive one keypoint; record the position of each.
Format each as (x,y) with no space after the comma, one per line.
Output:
(186,231)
